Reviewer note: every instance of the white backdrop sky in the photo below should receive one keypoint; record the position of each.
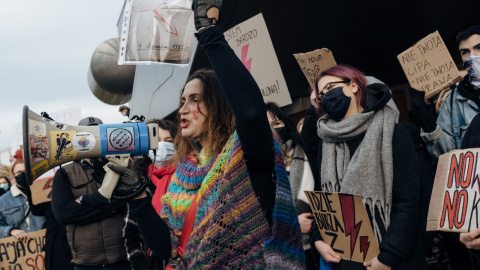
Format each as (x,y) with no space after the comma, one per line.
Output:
(45,52)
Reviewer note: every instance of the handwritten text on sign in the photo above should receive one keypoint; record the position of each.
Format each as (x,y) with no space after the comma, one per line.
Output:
(250,40)
(428,65)
(18,255)
(344,225)
(313,63)
(455,196)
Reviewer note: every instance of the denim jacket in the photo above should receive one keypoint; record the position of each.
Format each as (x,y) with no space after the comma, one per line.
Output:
(13,206)
(452,122)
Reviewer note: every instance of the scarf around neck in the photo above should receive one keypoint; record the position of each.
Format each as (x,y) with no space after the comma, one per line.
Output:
(369,173)
(230,229)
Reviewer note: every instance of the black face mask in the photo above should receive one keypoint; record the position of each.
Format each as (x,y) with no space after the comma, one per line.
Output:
(336,103)
(22,180)
(282,132)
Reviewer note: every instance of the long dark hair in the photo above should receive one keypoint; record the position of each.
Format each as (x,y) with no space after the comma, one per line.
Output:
(277,113)
(220,123)
(8,180)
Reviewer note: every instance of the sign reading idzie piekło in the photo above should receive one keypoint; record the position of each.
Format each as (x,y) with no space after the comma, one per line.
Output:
(454,205)
(250,40)
(428,65)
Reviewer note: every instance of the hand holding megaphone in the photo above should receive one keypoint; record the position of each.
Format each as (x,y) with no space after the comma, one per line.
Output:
(128,187)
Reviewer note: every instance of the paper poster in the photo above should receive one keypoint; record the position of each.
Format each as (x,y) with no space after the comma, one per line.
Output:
(344,225)
(314,62)
(428,65)
(157,32)
(250,40)
(454,205)
(17,255)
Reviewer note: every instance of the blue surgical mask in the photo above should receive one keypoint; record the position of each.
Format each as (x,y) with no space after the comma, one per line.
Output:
(124,114)
(336,103)
(165,152)
(4,186)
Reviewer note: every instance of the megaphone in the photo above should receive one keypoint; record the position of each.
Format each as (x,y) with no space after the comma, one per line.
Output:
(47,144)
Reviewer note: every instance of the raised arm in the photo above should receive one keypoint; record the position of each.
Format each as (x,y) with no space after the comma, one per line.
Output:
(243,95)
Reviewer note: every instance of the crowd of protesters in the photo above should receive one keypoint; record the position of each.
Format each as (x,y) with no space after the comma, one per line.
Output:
(225,188)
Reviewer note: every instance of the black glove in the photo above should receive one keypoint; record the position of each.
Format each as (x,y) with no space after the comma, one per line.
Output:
(97,167)
(420,110)
(129,186)
(200,8)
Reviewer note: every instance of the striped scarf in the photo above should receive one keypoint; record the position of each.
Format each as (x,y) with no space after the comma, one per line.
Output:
(230,230)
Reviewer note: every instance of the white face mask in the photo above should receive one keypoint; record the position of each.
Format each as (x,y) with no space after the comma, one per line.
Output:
(472,65)
(165,152)
(4,186)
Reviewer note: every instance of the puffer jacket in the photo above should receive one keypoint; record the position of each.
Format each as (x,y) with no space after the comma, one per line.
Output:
(94,234)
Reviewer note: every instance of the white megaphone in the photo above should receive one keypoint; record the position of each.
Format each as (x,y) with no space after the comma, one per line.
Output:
(47,144)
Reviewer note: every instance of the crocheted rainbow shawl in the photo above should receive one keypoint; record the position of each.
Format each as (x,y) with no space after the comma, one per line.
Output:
(230,230)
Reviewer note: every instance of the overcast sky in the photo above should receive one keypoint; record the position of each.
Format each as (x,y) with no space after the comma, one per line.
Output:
(45,49)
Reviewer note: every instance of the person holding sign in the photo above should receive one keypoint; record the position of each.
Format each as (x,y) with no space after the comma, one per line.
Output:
(364,152)
(460,106)
(229,203)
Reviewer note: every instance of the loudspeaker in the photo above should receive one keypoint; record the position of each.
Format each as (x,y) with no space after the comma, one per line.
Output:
(47,144)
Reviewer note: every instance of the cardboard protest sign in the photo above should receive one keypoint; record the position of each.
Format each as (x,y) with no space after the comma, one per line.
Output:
(250,40)
(428,65)
(454,205)
(314,62)
(344,225)
(19,255)
(42,190)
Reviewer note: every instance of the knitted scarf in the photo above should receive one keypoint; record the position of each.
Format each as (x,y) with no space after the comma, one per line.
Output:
(370,171)
(230,229)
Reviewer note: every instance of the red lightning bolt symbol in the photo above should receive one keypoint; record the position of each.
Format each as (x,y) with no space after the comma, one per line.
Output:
(247,63)
(364,245)
(348,211)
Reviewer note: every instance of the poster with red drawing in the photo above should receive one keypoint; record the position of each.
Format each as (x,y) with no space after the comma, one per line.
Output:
(251,42)
(343,223)
(157,32)
(454,205)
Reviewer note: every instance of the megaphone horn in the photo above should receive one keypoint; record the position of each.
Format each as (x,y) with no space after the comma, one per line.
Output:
(47,144)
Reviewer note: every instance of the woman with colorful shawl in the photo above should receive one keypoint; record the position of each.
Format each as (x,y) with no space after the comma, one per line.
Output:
(230,166)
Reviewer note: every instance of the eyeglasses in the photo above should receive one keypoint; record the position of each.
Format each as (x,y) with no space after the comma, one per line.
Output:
(327,88)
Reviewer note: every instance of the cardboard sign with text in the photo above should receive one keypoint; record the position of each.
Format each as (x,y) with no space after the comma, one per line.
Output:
(314,62)
(42,190)
(16,254)
(428,65)
(454,205)
(344,225)
(250,40)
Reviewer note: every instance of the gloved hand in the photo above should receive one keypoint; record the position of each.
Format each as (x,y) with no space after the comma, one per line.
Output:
(200,8)
(129,186)
(416,94)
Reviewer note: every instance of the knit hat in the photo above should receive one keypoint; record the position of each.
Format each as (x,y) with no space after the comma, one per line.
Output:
(90,121)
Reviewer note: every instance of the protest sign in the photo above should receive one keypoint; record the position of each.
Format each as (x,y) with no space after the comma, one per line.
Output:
(314,62)
(18,255)
(156,32)
(428,65)
(454,205)
(344,225)
(42,190)
(250,40)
